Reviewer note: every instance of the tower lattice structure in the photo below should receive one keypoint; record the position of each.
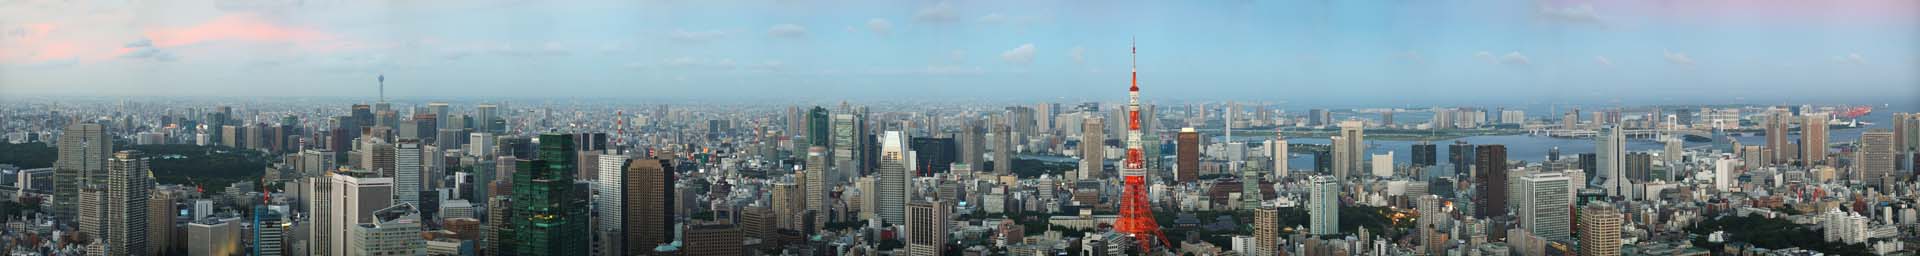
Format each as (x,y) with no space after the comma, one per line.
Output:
(1136,212)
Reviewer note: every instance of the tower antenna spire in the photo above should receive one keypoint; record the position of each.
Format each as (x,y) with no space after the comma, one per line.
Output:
(383,87)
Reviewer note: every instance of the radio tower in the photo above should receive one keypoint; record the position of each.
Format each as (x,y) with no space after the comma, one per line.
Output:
(1136,213)
(620,131)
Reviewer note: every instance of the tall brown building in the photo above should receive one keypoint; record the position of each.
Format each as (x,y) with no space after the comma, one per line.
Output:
(1777,126)
(1490,186)
(1600,229)
(712,240)
(1813,139)
(1187,155)
(648,198)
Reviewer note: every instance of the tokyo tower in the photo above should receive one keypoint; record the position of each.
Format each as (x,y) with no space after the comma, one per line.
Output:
(1136,213)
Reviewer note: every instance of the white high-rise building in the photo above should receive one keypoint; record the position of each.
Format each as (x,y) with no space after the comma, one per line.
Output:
(407,172)
(1383,165)
(1323,205)
(1612,160)
(1723,173)
(892,183)
(1278,146)
(480,144)
(607,194)
(1544,206)
(355,196)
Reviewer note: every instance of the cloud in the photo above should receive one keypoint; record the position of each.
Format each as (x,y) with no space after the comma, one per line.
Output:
(1019,55)
(787,31)
(235,27)
(958,56)
(1582,13)
(692,62)
(1412,56)
(938,13)
(1678,58)
(696,36)
(880,26)
(1515,58)
(1602,60)
(1854,59)
(143,49)
(1484,56)
(1079,54)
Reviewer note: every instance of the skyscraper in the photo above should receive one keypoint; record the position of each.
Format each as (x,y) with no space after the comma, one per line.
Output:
(1323,205)
(1490,186)
(354,197)
(484,116)
(1266,231)
(1611,148)
(1600,225)
(1460,155)
(126,217)
(816,185)
(1777,129)
(647,204)
(551,217)
(394,230)
(83,154)
(1813,139)
(1280,156)
(1545,203)
(1002,148)
(927,232)
(972,144)
(1342,163)
(610,204)
(269,233)
(1425,154)
(1876,156)
(160,219)
(892,183)
(848,146)
(1187,153)
(1354,133)
(1093,147)
(407,172)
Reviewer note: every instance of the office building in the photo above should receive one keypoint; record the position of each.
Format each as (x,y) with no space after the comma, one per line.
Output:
(927,232)
(1187,153)
(849,145)
(127,182)
(816,184)
(1353,133)
(1460,155)
(1639,167)
(1776,125)
(1002,148)
(712,239)
(394,230)
(609,203)
(1545,202)
(934,155)
(1424,154)
(214,237)
(892,180)
(1278,148)
(407,172)
(1093,148)
(354,197)
(83,152)
(269,231)
(1490,183)
(1266,231)
(1876,157)
(1611,149)
(547,180)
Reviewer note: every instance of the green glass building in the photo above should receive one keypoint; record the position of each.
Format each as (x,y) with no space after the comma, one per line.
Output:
(549,214)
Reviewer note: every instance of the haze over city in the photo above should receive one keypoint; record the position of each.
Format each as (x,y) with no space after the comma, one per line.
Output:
(920,128)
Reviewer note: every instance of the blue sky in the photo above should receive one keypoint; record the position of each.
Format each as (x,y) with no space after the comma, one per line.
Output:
(1368,52)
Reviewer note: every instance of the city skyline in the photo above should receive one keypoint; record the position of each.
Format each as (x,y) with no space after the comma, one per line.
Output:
(1310,53)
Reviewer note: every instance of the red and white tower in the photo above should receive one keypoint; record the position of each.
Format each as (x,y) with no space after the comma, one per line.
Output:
(1136,212)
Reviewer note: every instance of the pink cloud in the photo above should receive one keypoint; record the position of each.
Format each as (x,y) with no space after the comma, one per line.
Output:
(233,27)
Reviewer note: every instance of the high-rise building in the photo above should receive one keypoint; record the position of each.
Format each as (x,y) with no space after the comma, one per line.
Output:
(972,144)
(1611,148)
(354,197)
(712,239)
(609,203)
(269,231)
(927,232)
(1093,148)
(160,219)
(1546,201)
(1876,156)
(1813,139)
(320,206)
(816,185)
(1319,117)
(1354,134)
(1187,152)
(1266,231)
(484,116)
(127,182)
(93,215)
(1323,205)
(892,180)
(394,230)
(1777,128)
(1639,167)
(1342,163)
(1600,225)
(849,145)
(1002,148)
(1723,173)
(1490,186)
(1281,154)
(552,216)
(1425,154)
(934,155)
(1460,155)
(407,159)
(83,154)
(496,237)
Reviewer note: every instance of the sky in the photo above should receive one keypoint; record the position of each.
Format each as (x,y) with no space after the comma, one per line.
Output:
(1364,52)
